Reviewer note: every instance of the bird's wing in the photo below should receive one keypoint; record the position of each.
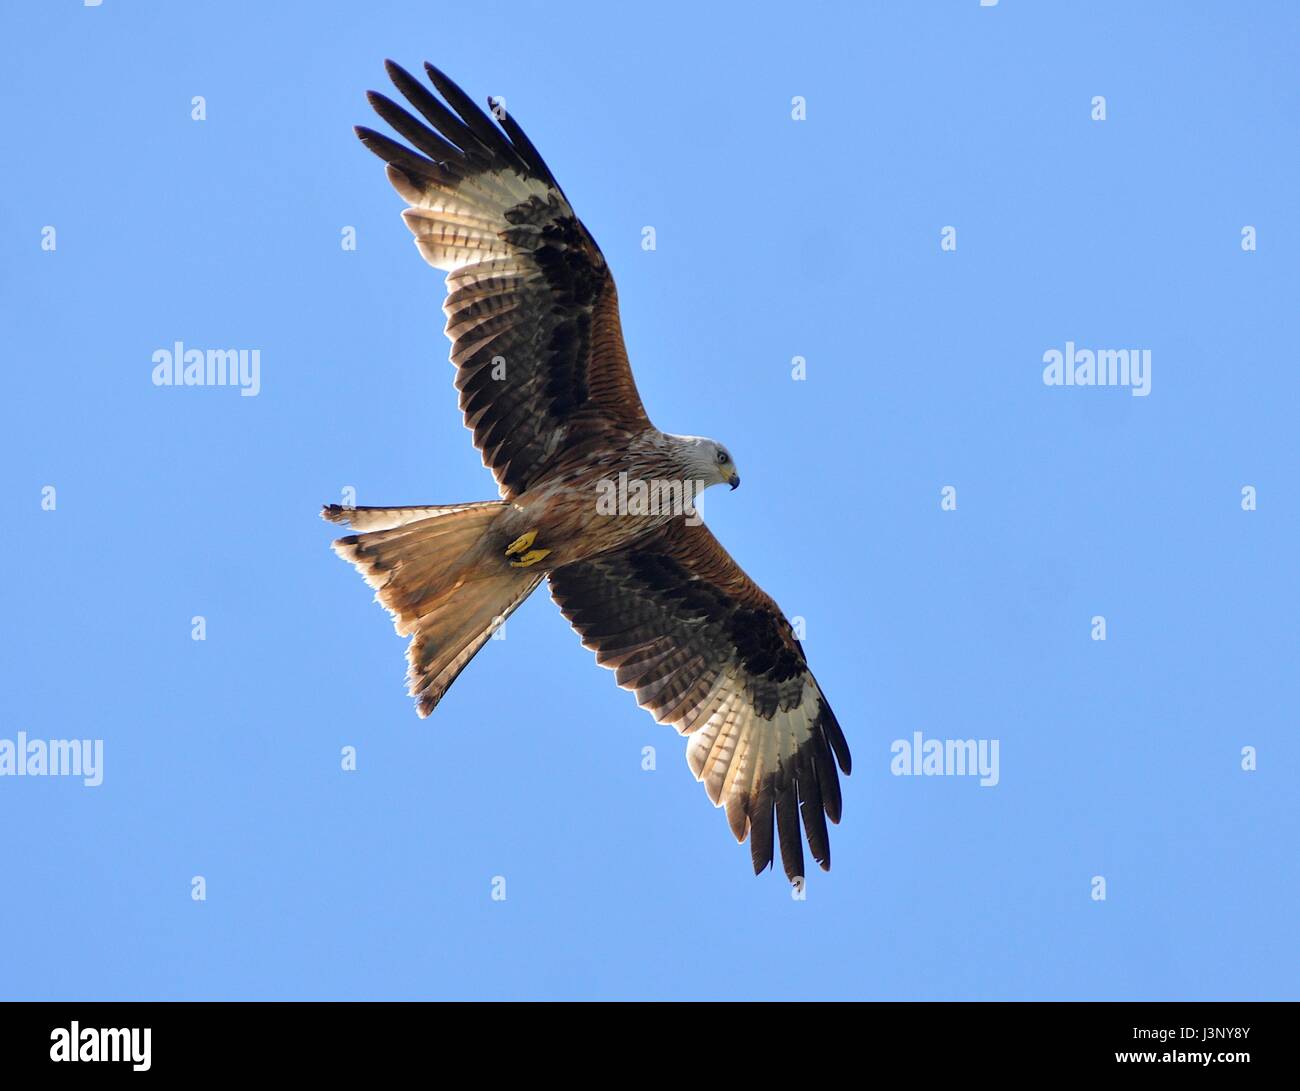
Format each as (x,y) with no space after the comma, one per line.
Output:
(708,651)
(532,312)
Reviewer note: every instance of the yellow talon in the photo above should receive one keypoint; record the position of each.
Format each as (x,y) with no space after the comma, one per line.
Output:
(529,558)
(521,543)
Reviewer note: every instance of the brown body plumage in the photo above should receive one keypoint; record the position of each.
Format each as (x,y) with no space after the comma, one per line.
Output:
(547,390)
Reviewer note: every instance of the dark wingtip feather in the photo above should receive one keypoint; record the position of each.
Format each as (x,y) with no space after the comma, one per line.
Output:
(444,121)
(827,778)
(835,736)
(530,155)
(810,807)
(446,155)
(787,826)
(399,155)
(479,123)
(760,831)
(461,136)
(449,89)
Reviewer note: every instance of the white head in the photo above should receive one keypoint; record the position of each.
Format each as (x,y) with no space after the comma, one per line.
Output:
(708,461)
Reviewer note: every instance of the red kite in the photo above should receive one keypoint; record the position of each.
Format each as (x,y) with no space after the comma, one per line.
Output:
(546,388)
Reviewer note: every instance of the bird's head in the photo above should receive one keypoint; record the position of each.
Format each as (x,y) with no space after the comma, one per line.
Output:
(710,462)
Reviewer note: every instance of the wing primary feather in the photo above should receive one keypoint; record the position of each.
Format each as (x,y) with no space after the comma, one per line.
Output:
(787,826)
(406,160)
(449,126)
(479,122)
(530,154)
(810,806)
(761,830)
(827,778)
(419,134)
(835,736)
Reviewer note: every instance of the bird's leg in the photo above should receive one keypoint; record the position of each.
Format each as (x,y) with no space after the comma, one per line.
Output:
(521,543)
(530,558)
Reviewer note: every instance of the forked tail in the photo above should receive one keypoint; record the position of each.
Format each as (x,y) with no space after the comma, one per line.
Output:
(442,573)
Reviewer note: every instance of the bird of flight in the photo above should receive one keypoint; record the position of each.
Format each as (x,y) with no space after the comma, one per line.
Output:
(547,390)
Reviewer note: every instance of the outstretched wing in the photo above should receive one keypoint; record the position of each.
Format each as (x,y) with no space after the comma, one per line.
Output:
(532,312)
(708,651)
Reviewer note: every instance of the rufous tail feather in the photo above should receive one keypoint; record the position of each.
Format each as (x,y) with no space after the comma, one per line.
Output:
(442,574)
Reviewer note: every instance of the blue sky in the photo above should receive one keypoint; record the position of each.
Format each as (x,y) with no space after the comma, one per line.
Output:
(776,238)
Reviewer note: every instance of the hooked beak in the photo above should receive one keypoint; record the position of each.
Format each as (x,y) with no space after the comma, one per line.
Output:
(734,481)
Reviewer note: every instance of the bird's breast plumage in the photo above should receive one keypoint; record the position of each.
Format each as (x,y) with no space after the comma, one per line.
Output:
(604,500)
